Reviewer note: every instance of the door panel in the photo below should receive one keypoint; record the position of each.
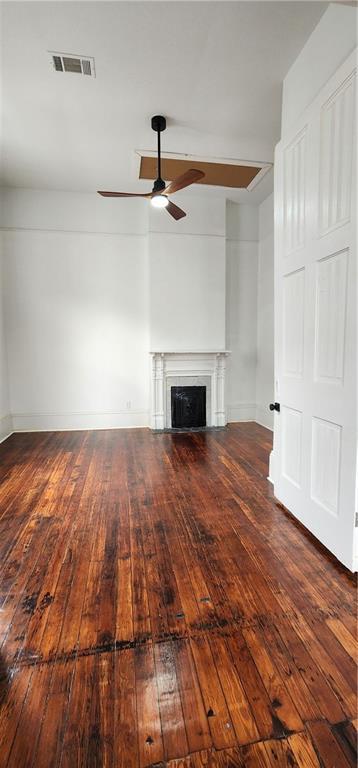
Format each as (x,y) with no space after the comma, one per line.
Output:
(325,464)
(293,323)
(292,445)
(336,155)
(331,299)
(294,193)
(315,316)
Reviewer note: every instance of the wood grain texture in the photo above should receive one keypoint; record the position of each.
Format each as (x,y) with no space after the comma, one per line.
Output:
(159,608)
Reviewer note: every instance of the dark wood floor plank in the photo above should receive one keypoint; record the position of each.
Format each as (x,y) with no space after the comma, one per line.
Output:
(295,685)
(220,724)
(124,617)
(190,606)
(12,701)
(266,754)
(279,753)
(140,604)
(331,755)
(106,708)
(346,735)
(28,730)
(345,691)
(15,564)
(279,697)
(49,746)
(30,616)
(150,739)
(236,699)
(152,611)
(348,641)
(334,649)
(19,495)
(76,734)
(196,721)
(304,751)
(170,707)
(313,676)
(170,590)
(265,716)
(125,712)
(226,758)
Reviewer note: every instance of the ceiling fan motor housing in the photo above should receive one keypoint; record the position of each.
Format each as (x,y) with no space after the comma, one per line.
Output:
(158,185)
(159,123)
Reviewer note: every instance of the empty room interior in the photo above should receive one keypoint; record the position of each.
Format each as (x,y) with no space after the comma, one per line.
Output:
(178,384)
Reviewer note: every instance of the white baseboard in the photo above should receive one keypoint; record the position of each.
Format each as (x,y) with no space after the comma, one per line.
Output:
(264,416)
(53,422)
(6,427)
(49,422)
(241,412)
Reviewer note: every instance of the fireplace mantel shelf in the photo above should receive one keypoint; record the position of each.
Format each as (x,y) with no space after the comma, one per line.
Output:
(190,352)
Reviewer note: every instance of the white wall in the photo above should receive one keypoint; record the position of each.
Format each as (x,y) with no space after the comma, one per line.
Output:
(5,419)
(249,311)
(265,315)
(187,277)
(52,211)
(241,310)
(76,311)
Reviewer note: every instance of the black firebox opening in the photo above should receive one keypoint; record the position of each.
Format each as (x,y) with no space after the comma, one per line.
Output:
(188,407)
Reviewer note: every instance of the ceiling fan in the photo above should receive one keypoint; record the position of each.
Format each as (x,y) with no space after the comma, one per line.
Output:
(159,194)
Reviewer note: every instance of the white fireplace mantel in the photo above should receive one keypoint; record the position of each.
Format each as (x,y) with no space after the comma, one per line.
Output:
(201,367)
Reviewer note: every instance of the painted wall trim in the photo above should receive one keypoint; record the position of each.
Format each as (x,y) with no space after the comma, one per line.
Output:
(33,422)
(114,233)
(242,240)
(59,230)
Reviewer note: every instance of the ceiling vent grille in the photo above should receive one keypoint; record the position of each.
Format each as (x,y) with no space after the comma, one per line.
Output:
(66,62)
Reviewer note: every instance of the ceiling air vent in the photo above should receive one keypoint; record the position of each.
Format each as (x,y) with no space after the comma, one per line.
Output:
(66,62)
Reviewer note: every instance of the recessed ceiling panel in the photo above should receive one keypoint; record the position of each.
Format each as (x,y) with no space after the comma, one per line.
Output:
(216,174)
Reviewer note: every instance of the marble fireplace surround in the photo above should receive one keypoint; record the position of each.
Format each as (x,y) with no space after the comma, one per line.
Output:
(192,368)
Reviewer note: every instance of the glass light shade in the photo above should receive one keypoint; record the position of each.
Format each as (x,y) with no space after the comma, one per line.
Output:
(159,201)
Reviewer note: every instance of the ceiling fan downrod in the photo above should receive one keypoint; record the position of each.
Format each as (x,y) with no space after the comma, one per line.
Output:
(159,124)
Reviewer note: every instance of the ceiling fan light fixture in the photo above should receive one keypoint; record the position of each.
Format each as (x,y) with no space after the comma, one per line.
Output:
(159,201)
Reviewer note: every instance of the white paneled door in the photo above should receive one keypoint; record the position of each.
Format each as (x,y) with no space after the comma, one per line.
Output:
(315,317)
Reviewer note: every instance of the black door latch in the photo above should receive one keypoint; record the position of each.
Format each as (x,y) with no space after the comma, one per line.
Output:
(274,407)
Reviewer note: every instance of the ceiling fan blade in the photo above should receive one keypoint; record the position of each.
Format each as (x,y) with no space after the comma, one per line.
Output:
(124,194)
(189,177)
(174,211)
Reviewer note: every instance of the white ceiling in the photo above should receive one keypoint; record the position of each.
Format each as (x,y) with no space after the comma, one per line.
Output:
(215,69)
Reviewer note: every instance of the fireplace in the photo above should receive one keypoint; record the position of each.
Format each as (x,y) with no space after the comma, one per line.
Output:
(188,407)
(194,371)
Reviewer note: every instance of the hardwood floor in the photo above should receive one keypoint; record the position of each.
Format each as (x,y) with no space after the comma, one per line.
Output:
(159,608)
